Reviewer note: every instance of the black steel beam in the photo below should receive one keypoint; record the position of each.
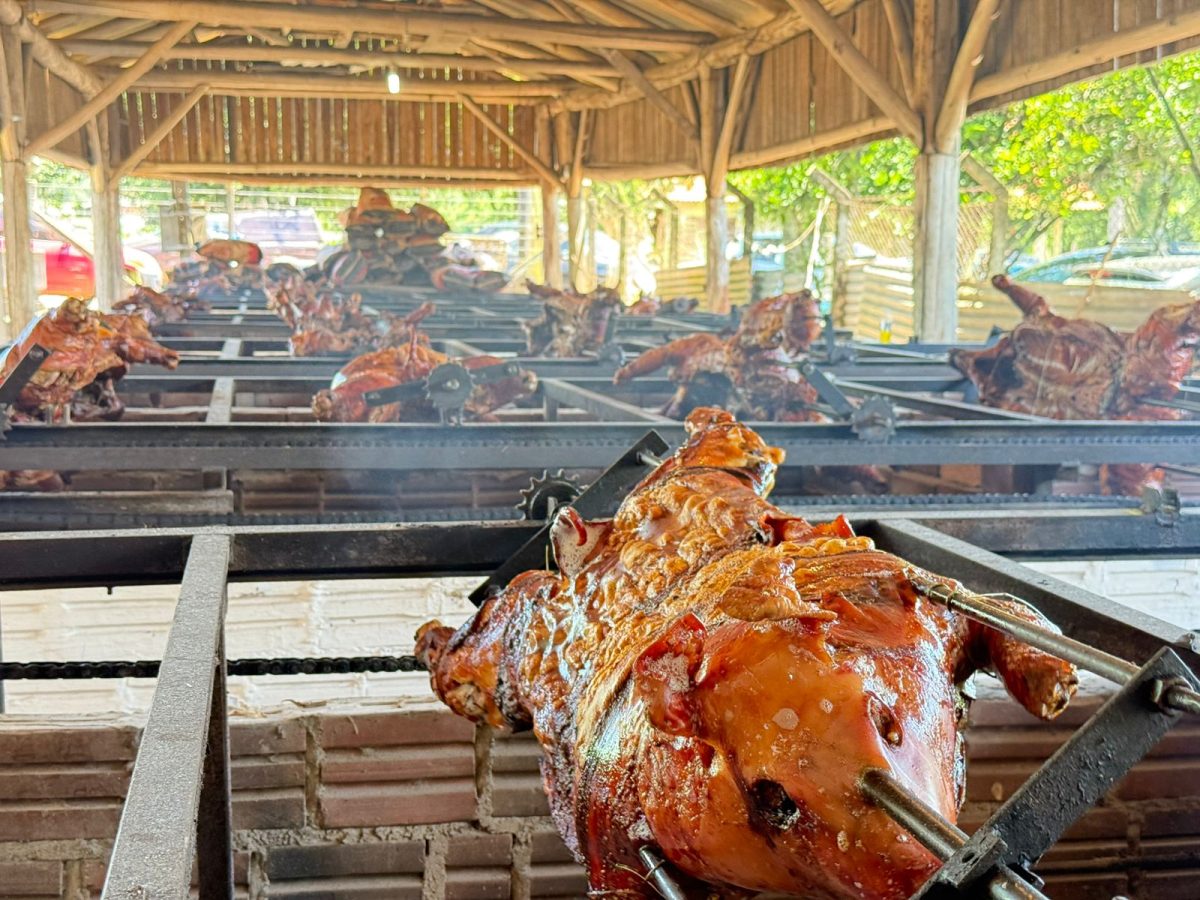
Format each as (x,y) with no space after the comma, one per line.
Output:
(527,446)
(933,539)
(154,848)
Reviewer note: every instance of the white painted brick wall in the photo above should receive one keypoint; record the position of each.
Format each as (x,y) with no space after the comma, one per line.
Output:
(361,618)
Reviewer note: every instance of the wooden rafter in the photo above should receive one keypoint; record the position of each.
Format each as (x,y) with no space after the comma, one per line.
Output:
(695,16)
(841,47)
(401,19)
(329,56)
(958,88)
(43,50)
(900,27)
(733,105)
(110,91)
(544,171)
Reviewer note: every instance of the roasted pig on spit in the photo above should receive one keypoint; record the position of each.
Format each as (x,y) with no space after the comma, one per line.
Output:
(156,307)
(90,353)
(712,676)
(752,372)
(345,399)
(1078,369)
(571,324)
(323,322)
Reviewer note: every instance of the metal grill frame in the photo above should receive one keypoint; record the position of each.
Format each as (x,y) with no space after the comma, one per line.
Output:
(179,797)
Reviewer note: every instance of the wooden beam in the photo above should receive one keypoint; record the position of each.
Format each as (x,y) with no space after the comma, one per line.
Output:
(551,249)
(986,179)
(840,46)
(400,19)
(201,170)
(628,68)
(544,171)
(724,141)
(1101,51)
(107,257)
(20,295)
(267,84)
(155,137)
(958,89)
(854,133)
(693,15)
(325,56)
(45,52)
(110,91)
(900,27)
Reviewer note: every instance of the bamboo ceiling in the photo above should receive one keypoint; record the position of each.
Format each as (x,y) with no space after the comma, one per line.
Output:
(296,90)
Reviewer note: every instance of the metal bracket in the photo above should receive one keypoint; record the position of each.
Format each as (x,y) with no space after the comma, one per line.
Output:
(544,495)
(1079,773)
(599,499)
(447,387)
(1164,504)
(874,420)
(834,352)
(830,393)
(11,387)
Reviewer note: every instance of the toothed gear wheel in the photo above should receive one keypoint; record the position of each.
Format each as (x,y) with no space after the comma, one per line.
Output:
(546,494)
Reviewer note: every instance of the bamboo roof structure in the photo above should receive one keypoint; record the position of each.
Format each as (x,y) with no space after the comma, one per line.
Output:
(506,92)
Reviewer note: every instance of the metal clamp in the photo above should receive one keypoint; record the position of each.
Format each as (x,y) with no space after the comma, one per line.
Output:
(873,420)
(447,387)
(1164,503)
(11,387)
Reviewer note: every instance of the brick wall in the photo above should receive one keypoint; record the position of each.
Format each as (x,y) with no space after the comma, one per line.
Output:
(385,802)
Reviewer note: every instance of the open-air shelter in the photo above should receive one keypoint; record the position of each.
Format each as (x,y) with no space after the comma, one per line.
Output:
(533,92)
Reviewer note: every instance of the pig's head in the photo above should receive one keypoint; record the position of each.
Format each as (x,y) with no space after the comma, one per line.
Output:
(761,733)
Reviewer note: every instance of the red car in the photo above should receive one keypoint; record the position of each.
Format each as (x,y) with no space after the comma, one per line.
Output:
(69,271)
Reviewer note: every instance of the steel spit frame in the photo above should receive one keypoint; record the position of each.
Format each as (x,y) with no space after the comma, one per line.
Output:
(178,802)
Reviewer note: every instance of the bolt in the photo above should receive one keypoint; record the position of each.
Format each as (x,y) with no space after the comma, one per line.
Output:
(452,384)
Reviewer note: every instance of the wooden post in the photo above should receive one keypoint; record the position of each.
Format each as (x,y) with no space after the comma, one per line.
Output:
(106,237)
(230,209)
(550,192)
(570,140)
(20,292)
(716,264)
(986,179)
(720,105)
(935,259)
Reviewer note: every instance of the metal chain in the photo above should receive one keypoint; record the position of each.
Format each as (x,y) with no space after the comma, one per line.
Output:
(148,668)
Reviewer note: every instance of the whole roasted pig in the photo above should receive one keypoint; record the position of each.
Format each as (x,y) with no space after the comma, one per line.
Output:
(712,676)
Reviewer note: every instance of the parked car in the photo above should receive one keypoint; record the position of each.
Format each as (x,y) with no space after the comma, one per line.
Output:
(70,271)
(292,234)
(1060,268)
(1154,273)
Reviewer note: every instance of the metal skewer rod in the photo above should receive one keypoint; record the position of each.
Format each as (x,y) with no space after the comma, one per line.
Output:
(1176,697)
(657,871)
(937,835)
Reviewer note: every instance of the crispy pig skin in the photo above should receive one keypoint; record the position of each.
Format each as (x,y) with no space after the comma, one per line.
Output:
(712,676)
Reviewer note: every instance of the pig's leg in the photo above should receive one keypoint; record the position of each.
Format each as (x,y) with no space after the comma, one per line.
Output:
(1042,683)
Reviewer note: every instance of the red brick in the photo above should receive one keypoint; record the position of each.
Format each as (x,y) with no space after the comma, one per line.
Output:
(478,850)
(519,795)
(401,803)
(516,756)
(58,821)
(557,880)
(268,809)
(1176,885)
(102,779)
(478,884)
(55,745)
(398,763)
(548,846)
(1154,778)
(398,887)
(392,728)
(1089,886)
(255,773)
(266,738)
(30,879)
(323,860)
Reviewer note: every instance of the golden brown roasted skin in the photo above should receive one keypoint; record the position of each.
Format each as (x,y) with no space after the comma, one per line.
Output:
(1078,369)
(712,676)
(571,324)
(157,307)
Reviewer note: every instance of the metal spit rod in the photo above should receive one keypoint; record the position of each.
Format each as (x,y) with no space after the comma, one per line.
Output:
(656,871)
(939,836)
(1175,697)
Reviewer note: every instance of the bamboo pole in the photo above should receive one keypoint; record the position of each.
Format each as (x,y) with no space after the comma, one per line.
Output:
(547,174)
(266,84)
(110,91)
(155,137)
(400,19)
(840,46)
(324,56)
(958,88)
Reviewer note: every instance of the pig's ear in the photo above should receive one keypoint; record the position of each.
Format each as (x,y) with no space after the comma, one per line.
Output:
(573,539)
(665,677)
